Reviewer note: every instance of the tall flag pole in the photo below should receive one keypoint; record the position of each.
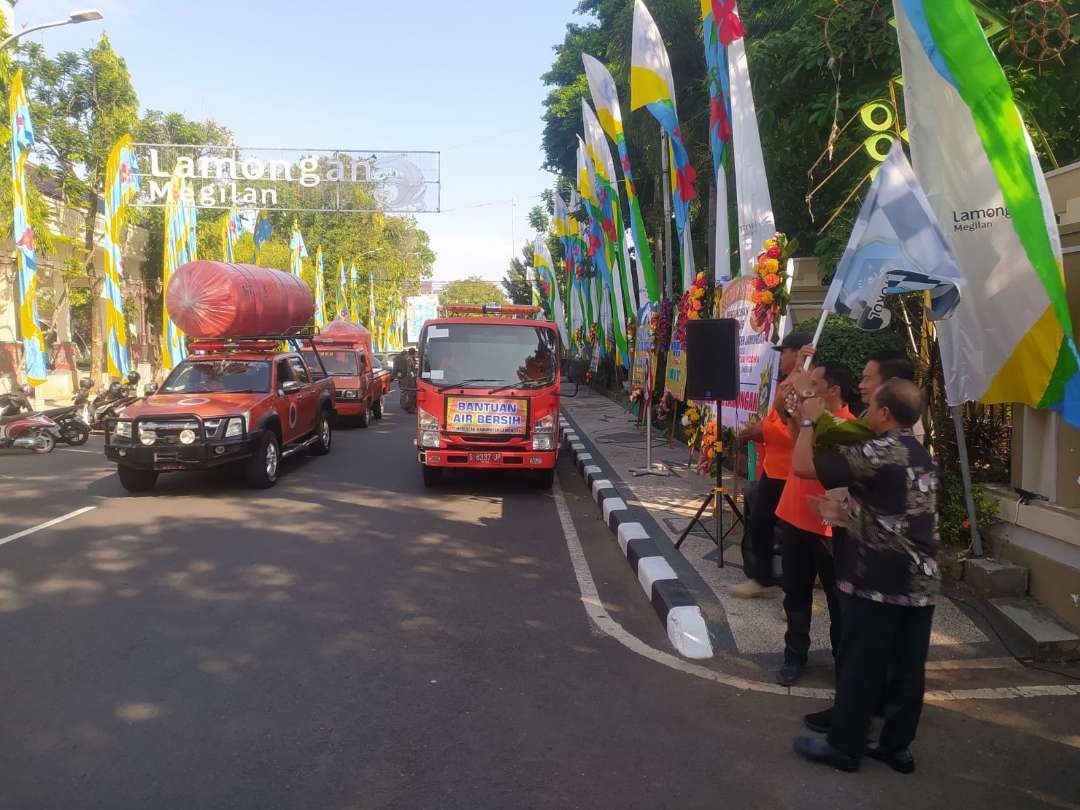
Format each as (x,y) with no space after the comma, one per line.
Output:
(610,208)
(354,304)
(263,231)
(180,248)
(121,184)
(1011,338)
(564,225)
(22,141)
(371,306)
(652,86)
(297,251)
(320,290)
(606,100)
(545,271)
(720,26)
(343,291)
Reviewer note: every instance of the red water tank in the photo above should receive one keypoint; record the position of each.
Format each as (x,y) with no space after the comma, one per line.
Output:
(340,332)
(214,299)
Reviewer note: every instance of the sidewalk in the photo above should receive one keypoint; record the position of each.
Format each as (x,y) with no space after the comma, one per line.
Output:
(748,629)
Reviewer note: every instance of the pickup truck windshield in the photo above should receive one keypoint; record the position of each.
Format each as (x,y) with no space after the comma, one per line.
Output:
(225,376)
(487,355)
(339,363)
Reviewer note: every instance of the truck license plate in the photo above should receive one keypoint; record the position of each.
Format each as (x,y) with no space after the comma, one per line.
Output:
(484,458)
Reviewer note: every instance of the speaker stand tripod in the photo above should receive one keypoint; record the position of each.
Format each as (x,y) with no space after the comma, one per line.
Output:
(713,498)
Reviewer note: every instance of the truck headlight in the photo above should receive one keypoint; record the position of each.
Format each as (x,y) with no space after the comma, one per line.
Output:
(122,430)
(147,437)
(544,433)
(187,436)
(426,421)
(350,393)
(235,427)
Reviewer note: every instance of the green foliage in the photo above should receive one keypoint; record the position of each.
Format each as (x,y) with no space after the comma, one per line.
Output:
(516,283)
(952,511)
(472,290)
(844,342)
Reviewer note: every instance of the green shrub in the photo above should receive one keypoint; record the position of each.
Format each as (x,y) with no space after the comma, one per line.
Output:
(952,511)
(844,342)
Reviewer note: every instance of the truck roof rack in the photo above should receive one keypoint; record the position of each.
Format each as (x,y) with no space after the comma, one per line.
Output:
(496,310)
(294,338)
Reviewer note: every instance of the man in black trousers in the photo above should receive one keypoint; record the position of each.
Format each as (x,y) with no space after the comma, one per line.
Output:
(887,575)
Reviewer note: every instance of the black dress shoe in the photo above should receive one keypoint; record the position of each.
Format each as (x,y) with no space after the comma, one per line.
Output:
(900,761)
(789,673)
(821,722)
(816,749)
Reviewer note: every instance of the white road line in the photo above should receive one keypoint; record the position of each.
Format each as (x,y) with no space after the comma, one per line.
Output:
(47,524)
(73,450)
(596,611)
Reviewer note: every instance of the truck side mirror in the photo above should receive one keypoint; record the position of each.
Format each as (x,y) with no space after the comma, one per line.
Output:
(562,391)
(291,387)
(150,389)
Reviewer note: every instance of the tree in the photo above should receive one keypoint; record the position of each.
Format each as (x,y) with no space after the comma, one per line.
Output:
(472,290)
(85,101)
(516,282)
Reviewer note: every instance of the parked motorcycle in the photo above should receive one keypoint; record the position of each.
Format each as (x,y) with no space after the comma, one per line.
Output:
(74,429)
(31,431)
(109,403)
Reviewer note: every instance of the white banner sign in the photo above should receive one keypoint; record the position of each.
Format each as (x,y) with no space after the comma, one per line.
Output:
(756,358)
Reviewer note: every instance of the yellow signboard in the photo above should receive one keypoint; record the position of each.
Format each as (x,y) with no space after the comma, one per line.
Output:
(503,416)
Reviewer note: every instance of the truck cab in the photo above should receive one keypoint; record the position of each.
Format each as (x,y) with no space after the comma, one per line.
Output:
(488,391)
(360,382)
(245,403)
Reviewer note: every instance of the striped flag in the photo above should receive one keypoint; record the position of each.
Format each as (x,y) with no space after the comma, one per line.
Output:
(653,87)
(606,100)
(1011,338)
(22,142)
(297,251)
(121,184)
(320,290)
(181,219)
(343,291)
(232,226)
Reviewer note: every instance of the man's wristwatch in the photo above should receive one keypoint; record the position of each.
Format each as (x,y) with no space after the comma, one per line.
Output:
(806,422)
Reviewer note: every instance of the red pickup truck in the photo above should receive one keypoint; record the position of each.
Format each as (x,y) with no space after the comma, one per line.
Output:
(244,403)
(360,382)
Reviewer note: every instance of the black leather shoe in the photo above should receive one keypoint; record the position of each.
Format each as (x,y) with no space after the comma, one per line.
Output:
(789,673)
(816,749)
(900,761)
(821,722)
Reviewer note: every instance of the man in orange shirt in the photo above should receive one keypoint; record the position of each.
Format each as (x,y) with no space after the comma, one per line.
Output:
(776,436)
(806,538)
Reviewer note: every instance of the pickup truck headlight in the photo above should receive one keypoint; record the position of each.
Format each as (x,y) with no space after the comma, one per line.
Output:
(350,393)
(544,433)
(428,425)
(122,430)
(235,427)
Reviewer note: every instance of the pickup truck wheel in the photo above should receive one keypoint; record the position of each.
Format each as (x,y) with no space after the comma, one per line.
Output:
(135,480)
(364,419)
(544,479)
(376,408)
(325,434)
(262,468)
(432,475)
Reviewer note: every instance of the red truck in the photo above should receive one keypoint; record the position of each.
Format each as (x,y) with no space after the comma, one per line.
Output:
(244,403)
(360,382)
(488,392)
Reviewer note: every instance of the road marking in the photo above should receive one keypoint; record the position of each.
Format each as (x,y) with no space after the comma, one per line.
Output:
(47,524)
(594,608)
(73,450)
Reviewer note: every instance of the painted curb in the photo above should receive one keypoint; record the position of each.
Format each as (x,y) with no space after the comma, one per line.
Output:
(670,598)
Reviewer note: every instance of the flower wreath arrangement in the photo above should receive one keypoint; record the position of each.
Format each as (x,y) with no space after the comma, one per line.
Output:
(592,333)
(664,407)
(662,322)
(691,423)
(771,296)
(692,306)
(711,448)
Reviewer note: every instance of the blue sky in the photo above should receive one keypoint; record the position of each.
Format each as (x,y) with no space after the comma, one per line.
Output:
(461,78)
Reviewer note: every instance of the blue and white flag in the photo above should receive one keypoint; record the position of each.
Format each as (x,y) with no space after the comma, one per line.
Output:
(895,247)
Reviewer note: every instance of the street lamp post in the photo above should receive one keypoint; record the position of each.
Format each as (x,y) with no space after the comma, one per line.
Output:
(76,17)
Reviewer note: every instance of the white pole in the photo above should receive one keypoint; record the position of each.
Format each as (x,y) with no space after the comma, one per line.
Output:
(721,257)
(817,334)
(965,474)
(669,280)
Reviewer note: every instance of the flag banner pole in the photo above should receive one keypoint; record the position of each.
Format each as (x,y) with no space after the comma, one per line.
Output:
(965,474)
(817,335)
(649,468)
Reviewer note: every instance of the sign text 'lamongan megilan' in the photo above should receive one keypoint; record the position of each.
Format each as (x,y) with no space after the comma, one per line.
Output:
(290,179)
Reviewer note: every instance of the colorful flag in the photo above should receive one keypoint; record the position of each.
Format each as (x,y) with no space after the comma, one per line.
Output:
(232,226)
(121,184)
(297,251)
(752,198)
(545,271)
(320,290)
(720,26)
(354,281)
(611,221)
(606,100)
(652,86)
(895,247)
(263,229)
(181,218)
(371,308)
(1011,338)
(343,291)
(22,141)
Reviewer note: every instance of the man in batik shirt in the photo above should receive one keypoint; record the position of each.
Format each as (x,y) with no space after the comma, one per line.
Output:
(887,575)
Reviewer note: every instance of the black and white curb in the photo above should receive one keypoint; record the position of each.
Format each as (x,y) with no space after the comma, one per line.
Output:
(672,601)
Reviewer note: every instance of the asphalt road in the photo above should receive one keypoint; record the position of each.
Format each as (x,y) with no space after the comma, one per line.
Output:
(350,640)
